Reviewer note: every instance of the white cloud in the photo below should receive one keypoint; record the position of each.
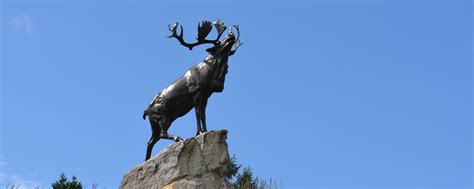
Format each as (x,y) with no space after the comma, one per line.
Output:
(23,23)
(8,180)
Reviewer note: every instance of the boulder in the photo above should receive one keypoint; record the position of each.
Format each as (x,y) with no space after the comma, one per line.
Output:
(197,162)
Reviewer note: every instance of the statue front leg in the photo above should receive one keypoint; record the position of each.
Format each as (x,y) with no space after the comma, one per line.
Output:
(198,121)
(203,115)
(198,111)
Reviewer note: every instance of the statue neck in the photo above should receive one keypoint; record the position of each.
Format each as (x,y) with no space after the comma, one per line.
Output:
(219,70)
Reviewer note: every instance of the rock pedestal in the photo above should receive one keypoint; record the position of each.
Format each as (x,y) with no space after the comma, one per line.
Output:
(196,162)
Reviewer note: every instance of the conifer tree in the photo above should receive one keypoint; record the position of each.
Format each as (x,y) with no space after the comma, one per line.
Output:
(64,183)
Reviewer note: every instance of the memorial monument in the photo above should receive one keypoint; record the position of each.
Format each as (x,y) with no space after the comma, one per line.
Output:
(196,86)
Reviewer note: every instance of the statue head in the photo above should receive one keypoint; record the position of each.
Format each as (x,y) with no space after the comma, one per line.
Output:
(221,48)
(219,52)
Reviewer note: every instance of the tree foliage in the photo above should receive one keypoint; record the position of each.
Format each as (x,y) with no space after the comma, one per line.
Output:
(231,169)
(64,183)
(245,179)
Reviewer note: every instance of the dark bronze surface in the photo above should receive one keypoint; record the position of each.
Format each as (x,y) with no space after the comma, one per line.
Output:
(196,86)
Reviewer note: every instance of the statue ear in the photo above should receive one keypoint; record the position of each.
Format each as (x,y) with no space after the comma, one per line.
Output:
(211,50)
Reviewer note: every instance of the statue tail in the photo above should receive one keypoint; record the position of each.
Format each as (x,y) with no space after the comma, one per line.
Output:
(144,114)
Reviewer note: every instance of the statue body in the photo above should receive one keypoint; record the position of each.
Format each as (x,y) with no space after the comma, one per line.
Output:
(194,88)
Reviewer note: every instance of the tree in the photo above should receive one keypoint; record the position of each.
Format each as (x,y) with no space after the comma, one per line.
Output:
(231,169)
(245,180)
(64,183)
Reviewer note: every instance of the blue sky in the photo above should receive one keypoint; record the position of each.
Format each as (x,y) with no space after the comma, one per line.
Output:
(322,94)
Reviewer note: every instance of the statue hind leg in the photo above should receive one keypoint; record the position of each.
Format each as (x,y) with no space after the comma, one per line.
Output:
(155,135)
(165,124)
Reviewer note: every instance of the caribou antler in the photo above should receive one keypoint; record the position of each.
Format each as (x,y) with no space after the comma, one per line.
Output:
(237,43)
(220,28)
(204,28)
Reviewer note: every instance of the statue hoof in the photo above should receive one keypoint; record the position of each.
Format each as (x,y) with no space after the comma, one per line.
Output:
(200,133)
(178,139)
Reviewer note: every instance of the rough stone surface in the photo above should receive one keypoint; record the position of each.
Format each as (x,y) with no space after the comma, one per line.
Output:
(196,162)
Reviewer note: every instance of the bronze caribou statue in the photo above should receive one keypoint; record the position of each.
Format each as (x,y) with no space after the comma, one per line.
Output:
(196,86)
